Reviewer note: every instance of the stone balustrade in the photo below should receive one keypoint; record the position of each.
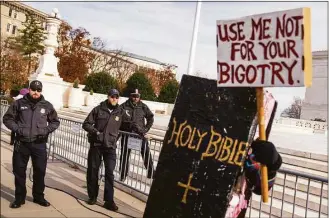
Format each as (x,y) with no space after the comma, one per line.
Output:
(302,123)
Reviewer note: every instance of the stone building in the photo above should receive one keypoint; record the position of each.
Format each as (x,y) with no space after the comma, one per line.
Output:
(315,104)
(13,14)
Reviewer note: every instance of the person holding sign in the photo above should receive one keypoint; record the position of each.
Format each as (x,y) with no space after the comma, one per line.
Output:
(102,125)
(265,50)
(263,152)
(138,112)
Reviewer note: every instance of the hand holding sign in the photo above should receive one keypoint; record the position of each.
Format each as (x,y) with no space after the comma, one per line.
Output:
(265,50)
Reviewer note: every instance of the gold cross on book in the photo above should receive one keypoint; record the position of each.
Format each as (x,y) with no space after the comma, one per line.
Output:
(187,188)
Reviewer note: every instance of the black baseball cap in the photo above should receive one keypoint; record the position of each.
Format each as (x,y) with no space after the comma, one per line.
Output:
(135,93)
(36,85)
(113,92)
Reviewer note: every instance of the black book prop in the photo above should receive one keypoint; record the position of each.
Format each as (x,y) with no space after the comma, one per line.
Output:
(203,151)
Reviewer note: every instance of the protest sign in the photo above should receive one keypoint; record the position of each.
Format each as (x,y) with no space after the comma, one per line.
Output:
(265,50)
(203,151)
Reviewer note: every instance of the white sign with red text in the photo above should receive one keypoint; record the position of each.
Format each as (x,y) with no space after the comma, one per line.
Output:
(265,50)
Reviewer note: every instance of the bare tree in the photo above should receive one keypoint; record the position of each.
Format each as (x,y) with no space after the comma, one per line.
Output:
(103,60)
(115,62)
(294,111)
(124,69)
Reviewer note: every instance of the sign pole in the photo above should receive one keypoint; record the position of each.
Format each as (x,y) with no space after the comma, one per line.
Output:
(262,136)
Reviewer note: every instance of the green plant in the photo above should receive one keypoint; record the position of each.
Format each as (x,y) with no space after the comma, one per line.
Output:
(30,38)
(86,89)
(139,81)
(100,82)
(168,92)
(76,83)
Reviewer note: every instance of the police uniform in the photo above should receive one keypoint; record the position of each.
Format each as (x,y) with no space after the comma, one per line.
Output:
(102,125)
(137,114)
(27,118)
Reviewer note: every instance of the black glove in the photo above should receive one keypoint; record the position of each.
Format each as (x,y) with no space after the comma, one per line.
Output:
(266,153)
(144,130)
(139,130)
(19,131)
(100,136)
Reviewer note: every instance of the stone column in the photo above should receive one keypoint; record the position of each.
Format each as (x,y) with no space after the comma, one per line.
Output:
(315,104)
(53,85)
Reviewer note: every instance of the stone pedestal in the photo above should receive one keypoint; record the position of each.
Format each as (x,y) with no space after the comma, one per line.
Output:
(48,61)
(54,88)
(76,98)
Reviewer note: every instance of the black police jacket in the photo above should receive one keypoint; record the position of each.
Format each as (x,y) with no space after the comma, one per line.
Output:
(29,120)
(103,126)
(137,114)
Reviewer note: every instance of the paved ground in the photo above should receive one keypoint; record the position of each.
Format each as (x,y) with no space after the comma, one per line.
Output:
(60,175)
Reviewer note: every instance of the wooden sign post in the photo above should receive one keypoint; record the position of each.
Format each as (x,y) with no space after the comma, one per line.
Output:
(265,50)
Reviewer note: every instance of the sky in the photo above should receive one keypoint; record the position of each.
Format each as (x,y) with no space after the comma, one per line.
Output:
(163,30)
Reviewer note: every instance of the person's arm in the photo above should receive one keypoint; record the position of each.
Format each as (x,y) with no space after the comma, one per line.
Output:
(89,122)
(9,118)
(149,116)
(263,152)
(53,121)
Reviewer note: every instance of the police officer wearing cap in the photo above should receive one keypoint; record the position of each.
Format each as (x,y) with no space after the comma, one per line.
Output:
(102,125)
(28,118)
(137,112)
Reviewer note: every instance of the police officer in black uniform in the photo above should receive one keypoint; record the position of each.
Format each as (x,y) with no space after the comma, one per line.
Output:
(28,118)
(138,112)
(102,125)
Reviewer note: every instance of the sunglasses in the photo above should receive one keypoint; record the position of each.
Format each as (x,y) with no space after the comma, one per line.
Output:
(114,96)
(36,90)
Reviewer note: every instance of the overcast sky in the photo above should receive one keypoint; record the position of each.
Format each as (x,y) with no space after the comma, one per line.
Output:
(163,30)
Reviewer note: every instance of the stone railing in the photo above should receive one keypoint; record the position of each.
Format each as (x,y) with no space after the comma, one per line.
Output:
(155,107)
(302,123)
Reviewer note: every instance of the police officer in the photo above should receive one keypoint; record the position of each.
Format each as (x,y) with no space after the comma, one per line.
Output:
(137,112)
(28,118)
(102,125)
